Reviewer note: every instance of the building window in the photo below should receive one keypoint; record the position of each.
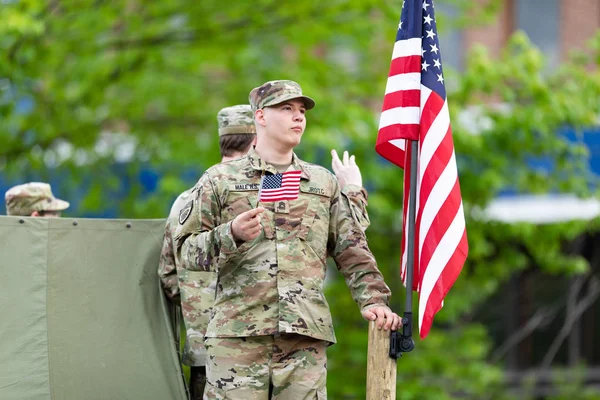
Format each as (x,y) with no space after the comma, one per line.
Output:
(539,19)
(451,42)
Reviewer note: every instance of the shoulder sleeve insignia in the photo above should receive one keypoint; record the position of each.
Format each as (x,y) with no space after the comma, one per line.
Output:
(185,212)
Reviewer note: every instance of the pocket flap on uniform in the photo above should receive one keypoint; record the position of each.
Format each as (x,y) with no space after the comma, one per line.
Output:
(308,219)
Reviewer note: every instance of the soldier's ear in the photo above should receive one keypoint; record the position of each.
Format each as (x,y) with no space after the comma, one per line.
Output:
(259,117)
(35,214)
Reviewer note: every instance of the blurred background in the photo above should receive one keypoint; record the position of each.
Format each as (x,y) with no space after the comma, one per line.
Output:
(114,103)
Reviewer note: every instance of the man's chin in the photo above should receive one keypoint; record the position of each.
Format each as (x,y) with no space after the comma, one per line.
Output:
(295,143)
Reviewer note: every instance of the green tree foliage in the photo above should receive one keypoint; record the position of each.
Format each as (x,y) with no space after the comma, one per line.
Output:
(86,84)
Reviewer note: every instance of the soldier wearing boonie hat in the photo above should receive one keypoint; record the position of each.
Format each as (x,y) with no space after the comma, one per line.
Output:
(195,290)
(34,199)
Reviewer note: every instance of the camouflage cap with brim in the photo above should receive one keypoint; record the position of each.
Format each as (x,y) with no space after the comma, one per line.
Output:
(236,120)
(277,92)
(34,196)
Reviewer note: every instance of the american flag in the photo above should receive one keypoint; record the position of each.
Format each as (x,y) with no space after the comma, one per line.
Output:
(415,108)
(277,187)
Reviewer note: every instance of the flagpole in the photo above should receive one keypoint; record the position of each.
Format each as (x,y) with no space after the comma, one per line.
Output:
(403,342)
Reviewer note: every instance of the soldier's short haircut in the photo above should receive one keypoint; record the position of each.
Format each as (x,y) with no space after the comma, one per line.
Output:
(236,143)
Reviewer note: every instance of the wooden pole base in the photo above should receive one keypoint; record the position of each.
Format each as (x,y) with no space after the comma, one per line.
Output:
(381,368)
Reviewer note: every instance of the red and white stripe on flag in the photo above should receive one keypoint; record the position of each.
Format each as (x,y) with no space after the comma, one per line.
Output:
(415,108)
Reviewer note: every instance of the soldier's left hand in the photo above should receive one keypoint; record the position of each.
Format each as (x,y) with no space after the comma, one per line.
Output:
(385,317)
(346,170)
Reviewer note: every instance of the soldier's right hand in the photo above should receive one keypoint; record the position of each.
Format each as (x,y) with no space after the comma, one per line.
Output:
(246,226)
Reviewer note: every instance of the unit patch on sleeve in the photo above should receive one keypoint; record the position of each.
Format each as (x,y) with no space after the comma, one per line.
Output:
(185,212)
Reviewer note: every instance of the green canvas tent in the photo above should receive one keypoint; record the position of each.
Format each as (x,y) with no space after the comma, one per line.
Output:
(81,312)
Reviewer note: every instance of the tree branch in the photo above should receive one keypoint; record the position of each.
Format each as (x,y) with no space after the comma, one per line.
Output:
(541,318)
(574,311)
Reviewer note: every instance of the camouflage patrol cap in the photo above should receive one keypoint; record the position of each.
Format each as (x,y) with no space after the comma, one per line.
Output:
(276,92)
(29,197)
(236,120)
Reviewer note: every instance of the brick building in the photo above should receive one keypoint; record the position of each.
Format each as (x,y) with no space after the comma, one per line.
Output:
(555,26)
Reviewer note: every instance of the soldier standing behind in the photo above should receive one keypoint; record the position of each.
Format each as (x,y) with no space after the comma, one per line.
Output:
(33,199)
(270,324)
(195,290)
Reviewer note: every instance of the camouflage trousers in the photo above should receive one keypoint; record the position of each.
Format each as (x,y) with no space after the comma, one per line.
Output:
(279,367)
(197,382)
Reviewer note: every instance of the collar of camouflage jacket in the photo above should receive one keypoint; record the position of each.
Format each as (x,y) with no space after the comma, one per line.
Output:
(259,164)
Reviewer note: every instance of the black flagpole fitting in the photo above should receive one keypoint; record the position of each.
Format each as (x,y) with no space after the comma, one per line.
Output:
(402,342)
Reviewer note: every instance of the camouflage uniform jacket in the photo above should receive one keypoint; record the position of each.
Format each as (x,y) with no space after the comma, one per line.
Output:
(194,289)
(167,271)
(357,197)
(274,283)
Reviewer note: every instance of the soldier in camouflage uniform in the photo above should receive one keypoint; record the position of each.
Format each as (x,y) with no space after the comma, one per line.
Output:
(195,290)
(270,324)
(34,199)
